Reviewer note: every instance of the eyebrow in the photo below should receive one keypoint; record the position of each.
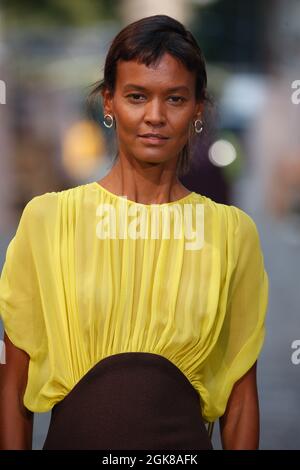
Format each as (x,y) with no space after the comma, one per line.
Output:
(139,87)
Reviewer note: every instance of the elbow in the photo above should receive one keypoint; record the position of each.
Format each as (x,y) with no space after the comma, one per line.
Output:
(240,426)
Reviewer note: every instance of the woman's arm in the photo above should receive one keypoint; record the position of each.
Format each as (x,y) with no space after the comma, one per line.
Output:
(16,420)
(239,426)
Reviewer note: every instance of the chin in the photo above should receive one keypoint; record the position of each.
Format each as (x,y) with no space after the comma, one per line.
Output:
(151,156)
(152,159)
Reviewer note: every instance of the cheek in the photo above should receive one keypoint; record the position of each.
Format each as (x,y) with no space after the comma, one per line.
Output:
(127,115)
(128,121)
(180,120)
(181,127)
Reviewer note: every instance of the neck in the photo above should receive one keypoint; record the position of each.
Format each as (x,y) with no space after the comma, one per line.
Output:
(146,185)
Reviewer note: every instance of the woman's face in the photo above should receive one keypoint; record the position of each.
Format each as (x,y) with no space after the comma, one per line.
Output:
(157,100)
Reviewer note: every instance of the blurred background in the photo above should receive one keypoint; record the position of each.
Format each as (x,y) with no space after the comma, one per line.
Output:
(52,51)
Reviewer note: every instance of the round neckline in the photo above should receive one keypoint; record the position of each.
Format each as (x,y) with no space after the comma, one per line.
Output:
(116,196)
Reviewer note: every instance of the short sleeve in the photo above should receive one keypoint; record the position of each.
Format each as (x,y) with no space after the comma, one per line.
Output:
(20,300)
(241,335)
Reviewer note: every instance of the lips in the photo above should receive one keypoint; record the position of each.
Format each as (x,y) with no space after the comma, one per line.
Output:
(153,136)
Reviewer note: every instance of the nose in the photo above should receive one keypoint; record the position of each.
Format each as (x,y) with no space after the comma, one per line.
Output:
(155,113)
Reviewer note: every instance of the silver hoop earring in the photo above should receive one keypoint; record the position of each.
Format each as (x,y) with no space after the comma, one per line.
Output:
(197,129)
(111,120)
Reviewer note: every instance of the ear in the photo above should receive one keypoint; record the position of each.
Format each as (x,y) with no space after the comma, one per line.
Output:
(199,108)
(107,102)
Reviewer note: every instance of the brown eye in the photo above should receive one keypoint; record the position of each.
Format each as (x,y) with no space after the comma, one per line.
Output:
(134,96)
(179,99)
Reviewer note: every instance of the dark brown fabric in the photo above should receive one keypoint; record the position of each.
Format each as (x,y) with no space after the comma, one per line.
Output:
(131,400)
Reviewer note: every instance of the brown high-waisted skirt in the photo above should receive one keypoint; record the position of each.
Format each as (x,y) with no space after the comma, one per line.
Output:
(132,400)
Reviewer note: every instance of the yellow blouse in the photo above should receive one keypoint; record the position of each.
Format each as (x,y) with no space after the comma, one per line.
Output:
(83,280)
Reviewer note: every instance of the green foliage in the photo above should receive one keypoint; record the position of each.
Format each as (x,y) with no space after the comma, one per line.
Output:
(58,12)
(232,31)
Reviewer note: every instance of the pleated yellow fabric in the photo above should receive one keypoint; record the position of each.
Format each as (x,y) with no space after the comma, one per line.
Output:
(71,294)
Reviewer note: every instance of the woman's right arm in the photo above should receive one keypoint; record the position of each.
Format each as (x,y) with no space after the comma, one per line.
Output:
(16,420)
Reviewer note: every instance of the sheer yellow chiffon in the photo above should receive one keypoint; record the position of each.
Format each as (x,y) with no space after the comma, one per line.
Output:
(70,297)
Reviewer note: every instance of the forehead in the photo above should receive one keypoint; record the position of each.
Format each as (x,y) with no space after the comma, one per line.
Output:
(169,71)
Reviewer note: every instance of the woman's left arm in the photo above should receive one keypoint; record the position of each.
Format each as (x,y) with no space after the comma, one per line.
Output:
(239,426)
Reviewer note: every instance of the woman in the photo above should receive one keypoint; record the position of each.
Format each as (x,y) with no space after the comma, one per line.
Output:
(134,335)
